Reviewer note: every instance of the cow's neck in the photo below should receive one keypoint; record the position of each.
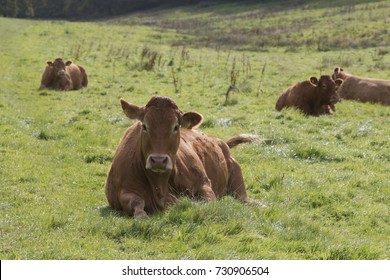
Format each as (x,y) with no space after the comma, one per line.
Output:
(315,101)
(159,187)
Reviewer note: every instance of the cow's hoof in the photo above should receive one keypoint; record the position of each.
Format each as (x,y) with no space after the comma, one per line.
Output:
(257,203)
(141,215)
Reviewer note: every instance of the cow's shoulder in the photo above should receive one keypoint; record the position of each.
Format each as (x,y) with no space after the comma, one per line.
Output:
(130,142)
(308,85)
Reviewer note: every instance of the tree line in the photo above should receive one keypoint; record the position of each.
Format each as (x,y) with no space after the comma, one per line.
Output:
(83,8)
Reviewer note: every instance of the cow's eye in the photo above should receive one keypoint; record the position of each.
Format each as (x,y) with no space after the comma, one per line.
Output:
(144,128)
(176,128)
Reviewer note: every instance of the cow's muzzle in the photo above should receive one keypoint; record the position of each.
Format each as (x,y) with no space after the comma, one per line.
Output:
(334,98)
(159,163)
(61,73)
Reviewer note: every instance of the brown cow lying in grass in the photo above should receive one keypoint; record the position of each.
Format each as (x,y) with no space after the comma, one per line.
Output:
(362,89)
(161,157)
(313,97)
(63,76)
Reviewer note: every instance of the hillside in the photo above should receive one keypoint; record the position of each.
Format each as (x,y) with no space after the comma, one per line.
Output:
(318,25)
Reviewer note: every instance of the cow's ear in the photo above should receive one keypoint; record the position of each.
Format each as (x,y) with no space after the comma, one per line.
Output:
(337,70)
(132,111)
(68,63)
(49,63)
(338,82)
(314,81)
(191,120)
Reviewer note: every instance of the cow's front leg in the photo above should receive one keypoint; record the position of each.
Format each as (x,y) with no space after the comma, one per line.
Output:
(206,192)
(133,204)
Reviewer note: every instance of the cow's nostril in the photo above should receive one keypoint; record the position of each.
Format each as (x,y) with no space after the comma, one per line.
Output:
(159,163)
(158,159)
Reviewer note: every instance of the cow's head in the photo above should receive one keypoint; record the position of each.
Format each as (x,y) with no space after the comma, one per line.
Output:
(161,121)
(59,66)
(326,89)
(339,73)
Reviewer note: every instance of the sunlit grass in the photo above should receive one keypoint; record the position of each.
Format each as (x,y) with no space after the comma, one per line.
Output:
(324,179)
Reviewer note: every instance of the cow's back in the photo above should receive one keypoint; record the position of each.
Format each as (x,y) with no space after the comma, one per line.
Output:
(84,77)
(201,158)
(282,100)
(75,74)
(298,95)
(365,90)
(47,77)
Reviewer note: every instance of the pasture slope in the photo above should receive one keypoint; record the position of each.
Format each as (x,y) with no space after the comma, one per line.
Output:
(324,179)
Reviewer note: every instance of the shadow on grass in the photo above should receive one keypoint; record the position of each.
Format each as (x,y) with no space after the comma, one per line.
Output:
(107,211)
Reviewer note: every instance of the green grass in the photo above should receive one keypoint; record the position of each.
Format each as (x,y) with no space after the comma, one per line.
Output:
(324,179)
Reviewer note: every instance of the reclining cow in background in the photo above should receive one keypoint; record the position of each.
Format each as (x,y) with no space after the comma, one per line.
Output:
(313,97)
(161,157)
(63,76)
(362,89)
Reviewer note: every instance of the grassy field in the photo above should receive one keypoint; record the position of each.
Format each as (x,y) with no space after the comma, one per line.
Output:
(324,179)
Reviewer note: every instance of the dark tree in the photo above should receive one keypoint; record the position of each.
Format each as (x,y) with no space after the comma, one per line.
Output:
(77,9)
